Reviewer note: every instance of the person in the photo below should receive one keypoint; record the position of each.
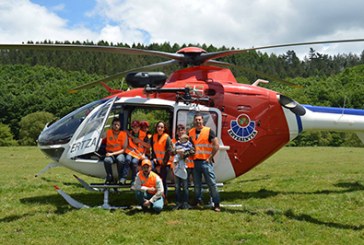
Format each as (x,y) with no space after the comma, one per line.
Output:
(182,149)
(137,144)
(181,129)
(206,146)
(161,151)
(149,188)
(144,126)
(116,142)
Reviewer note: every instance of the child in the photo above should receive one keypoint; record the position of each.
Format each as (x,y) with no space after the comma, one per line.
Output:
(183,148)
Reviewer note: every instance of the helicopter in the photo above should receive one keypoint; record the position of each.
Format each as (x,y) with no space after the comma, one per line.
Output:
(251,122)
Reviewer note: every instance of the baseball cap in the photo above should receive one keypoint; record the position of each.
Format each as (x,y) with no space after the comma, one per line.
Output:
(135,123)
(146,162)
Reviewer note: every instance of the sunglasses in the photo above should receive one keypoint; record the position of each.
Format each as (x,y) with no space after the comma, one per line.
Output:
(181,128)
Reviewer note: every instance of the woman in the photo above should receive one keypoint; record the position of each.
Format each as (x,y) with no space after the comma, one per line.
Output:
(161,151)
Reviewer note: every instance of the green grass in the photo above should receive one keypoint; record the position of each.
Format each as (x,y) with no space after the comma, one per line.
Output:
(298,196)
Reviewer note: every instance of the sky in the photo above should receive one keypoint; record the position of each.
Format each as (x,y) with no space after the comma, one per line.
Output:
(230,23)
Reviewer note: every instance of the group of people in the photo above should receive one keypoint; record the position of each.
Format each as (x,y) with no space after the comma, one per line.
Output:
(188,155)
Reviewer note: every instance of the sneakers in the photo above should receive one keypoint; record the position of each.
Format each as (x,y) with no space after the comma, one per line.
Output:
(178,206)
(185,205)
(217,208)
(122,181)
(199,204)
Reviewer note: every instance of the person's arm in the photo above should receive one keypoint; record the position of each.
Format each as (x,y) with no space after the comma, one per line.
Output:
(160,190)
(153,153)
(190,151)
(215,146)
(169,149)
(138,185)
(145,142)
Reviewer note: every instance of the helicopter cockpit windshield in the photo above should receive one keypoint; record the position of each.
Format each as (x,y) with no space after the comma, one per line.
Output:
(61,131)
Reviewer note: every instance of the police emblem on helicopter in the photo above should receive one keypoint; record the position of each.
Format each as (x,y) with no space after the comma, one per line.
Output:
(242,129)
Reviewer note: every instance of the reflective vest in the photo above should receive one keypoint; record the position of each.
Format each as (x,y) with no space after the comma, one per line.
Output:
(115,142)
(136,150)
(203,148)
(151,181)
(159,147)
(189,161)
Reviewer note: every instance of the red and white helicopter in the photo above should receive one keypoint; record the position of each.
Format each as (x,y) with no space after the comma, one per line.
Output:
(251,122)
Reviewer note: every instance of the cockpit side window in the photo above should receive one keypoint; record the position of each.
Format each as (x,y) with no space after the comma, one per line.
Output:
(60,132)
(186,117)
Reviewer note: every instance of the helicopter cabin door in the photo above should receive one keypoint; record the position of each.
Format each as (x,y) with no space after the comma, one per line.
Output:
(87,138)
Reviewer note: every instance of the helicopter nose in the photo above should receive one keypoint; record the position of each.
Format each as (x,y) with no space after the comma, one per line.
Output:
(53,152)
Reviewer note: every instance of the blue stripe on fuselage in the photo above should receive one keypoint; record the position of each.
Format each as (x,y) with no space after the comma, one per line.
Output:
(335,110)
(299,123)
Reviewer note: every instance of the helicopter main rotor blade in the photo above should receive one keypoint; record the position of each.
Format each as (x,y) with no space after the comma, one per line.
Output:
(123,73)
(266,76)
(93,48)
(261,74)
(214,55)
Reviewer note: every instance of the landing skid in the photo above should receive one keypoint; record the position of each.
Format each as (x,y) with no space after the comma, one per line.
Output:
(49,166)
(94,188)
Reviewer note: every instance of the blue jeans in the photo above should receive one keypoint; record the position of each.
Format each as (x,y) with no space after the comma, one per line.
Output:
(207,170)
(108,161)
(189,175)
(181,189)
(156,206)
(163,174)
(132,163)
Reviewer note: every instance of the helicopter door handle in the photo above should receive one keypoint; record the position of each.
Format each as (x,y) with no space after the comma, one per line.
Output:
(236,157)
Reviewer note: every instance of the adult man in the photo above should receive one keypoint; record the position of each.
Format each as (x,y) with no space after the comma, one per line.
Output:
(116,142)
(149,188)
(206,146)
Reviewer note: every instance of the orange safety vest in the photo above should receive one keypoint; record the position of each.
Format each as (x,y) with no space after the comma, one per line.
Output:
(159,147)
(136,150)
(115,143)
(189,161)
(203,148)
(151,181)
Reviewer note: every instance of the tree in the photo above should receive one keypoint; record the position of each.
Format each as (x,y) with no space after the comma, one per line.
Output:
(6,138)
(31,125)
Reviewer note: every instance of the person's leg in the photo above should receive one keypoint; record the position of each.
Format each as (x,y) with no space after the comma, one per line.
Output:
(126,167)
(209,174)
(158,205)
(177,189)
(120,160)
(108,161)
(163,175)
(134,168)
(184,183)
(197,179)
(140,196)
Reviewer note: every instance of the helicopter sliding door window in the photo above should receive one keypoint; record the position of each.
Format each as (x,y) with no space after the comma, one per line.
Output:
(87,138)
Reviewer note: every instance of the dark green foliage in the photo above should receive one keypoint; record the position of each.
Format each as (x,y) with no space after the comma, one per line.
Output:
(6,137)
(31,125)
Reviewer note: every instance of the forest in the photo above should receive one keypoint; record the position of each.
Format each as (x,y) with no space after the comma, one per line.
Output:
(34,84)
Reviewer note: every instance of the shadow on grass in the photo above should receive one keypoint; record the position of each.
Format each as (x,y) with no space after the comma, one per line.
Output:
(53,182)
(307,218)
(347,187)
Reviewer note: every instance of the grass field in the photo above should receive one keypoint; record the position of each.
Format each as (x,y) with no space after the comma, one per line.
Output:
(298,196)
